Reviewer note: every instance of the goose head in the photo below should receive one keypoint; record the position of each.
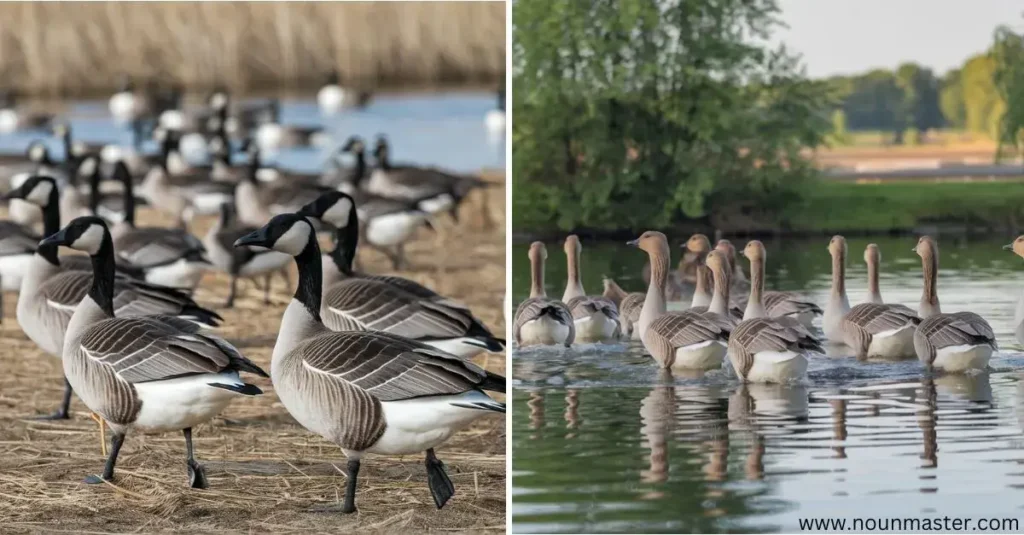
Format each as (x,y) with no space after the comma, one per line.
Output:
(837,246)
(754,250)
(332,78)
(698,243)
(381,149)
(37,189)
(86,234)
(37,153)
(652,242)
(572,246)
(1017,246)
(333,208)
(926,248)
(872,255)
(538,252)
(354,145)
(126,84)
(717,262)
(286,233)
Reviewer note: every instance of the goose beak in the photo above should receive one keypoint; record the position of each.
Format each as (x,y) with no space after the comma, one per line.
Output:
(634,243)
(60,238)
(1008,247)
(16,193)
(256,238)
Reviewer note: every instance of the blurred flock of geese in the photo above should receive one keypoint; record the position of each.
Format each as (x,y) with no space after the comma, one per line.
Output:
(768,336)
(374,363)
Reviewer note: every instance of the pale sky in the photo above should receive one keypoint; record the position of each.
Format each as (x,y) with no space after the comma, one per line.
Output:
(853,36)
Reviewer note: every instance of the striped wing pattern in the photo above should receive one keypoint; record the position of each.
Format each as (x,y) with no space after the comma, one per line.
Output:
(680,329)
(535,307)
(767,334)
(787,303)
(378,306)
(131,297)
(631,305)
(868,319)
(586,306)
(944,330)
(152,246)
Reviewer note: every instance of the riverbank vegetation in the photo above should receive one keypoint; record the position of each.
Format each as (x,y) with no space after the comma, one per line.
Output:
(67,48)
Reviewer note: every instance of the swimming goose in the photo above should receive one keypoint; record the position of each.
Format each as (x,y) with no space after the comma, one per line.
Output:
(872,257)
(151,373)
(953,342)
(629,305)
(1018,314)
(166,256)
(596,317)
(391,304)
(774,304)
(715,272)
(332,97)
(240,262)
(872,330)
(678,340)
(765,349)
(368,392)
(699,245)
(540,320)
(50,292)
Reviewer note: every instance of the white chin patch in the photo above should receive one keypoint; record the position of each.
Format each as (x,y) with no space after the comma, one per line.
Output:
(338,213)
(36,153)
(90,240)
(40,195)
(88,167)
(295,239)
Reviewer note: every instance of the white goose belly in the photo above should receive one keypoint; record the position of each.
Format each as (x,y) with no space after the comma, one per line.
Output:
(12,270)
(184,402)
(963,357)
(415,425)
(393,229)
(597,327)
(182,274)
(893,344)
(777,367)
(543,331)
(707,355)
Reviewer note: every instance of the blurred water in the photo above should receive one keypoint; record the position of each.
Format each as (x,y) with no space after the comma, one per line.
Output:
(442,129)
(603,442)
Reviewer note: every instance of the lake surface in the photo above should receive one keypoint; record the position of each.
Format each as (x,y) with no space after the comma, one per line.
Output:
(445,129)
(603,442)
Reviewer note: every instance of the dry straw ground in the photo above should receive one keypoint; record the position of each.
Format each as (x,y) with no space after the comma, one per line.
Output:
(265,470)
(66,47)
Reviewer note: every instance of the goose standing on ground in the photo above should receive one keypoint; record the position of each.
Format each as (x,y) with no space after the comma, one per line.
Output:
(391,304)
(596,317)
(629,305)
(368,392)
(872,330)
(272,135)
(153,373)
(540,320)
(954,342)
(764,349)
(679,340)
(873,257)
(240,262)
(1018,314)
(49,294)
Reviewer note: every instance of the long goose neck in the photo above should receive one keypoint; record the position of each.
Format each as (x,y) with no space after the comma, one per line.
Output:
(704,285)
(930,298)
(720,301)
(755,305)
(654,303)
(874,294)
(102,289)
(537,277)
(360,169)
(51,225)
(839,275)
(129,200)
(346,242)
(573,286)
(301,319)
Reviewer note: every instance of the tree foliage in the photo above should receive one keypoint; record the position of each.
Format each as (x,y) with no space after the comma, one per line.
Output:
(1008,57)
(640,113)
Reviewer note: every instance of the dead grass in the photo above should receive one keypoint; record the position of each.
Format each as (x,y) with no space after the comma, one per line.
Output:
(67,47)
(265,470)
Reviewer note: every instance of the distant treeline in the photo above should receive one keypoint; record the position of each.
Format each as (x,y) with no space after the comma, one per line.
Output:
(80,48)
(914,98)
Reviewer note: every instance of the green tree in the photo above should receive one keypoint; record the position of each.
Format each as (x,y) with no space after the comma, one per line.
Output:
(637,113)
(920,107)
(983,106)
(1008,55)
(951,100)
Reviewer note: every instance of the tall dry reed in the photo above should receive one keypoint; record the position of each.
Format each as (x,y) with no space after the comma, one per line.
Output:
(81,48)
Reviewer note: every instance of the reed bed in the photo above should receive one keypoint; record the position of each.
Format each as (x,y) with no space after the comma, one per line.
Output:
(84,48)
(266,472)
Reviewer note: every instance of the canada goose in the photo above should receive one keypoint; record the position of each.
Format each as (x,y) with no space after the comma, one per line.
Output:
(872,257)
(154,373)
(871,330)
(774,304)
(953,342)
(40,163)
(128,105)
(49,293)
(184,196)
(629,305)
(240,262)
(596,318)
(495,119)
(383,303)
(272,135)
(333,98)
(369,392)
(540,320)
(168,257)
(74,149)
(435,190)
(257,202)
(13,120)
(1018,314)
(680,340)
(763,348)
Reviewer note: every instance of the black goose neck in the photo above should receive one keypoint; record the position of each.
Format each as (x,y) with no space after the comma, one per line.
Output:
(51,225)
(102,289)
(129,199)
(311,278)
(94,190)
(346,240)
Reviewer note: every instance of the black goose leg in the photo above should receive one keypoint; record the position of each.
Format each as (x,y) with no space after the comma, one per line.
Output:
(231,294)
(350,489)
(116,439)
(196,475)
(62,412)
(441,487)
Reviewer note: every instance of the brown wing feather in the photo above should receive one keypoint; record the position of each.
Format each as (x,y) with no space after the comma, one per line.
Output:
(535,307)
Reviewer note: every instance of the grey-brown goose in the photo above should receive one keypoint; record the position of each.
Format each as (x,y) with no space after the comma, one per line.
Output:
(629,307)
(873,257)
(715,274)
(766,349)
(151,373)
(870,329)
(368,392)
(382,304)
(596,317)
(678,340)
(699,246)
(50,291)
(240,262)
(954,342)
(1018,314)
(776,304)
(541,320)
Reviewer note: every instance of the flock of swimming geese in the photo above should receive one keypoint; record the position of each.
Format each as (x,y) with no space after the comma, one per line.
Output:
(767,335)
(376,364)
